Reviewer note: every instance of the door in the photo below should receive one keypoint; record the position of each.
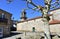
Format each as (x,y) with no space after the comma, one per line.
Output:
(1,31)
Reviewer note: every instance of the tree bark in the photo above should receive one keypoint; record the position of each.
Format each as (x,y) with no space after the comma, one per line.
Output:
(47,30)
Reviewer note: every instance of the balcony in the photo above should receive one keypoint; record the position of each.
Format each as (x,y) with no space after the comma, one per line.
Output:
(3,20)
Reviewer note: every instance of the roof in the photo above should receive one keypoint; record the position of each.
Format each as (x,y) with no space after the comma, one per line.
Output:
(51,22)
(33,18)
(5,11)
(54,21)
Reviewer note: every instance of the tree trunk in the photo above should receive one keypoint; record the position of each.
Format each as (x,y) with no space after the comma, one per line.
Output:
(46,29)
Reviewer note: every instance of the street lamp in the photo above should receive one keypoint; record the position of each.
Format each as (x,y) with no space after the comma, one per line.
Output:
(44,11)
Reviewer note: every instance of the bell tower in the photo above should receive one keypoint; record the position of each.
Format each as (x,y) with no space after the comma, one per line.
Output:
(23,15)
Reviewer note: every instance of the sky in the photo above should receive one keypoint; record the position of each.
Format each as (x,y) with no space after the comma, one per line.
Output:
(16,7)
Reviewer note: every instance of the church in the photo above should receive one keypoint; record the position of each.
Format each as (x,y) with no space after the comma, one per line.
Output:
(37,25)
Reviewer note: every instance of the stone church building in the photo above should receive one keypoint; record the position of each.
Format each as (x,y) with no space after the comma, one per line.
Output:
(37,25)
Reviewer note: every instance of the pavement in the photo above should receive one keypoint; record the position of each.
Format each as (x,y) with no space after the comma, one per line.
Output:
(14,35)
(23,35)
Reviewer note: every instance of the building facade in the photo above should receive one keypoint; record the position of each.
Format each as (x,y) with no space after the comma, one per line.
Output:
(37,25)
(5,23)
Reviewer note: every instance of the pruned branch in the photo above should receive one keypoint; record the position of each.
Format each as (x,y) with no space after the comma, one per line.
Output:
(57,3)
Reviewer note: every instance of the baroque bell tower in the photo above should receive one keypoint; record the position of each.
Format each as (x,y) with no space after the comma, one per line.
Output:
(23,15)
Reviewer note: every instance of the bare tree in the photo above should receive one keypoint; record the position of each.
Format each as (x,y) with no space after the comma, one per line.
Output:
(44,11)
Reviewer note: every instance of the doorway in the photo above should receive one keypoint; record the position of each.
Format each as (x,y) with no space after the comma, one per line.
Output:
(1,31)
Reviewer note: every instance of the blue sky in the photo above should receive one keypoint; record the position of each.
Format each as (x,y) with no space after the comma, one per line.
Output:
(16,7)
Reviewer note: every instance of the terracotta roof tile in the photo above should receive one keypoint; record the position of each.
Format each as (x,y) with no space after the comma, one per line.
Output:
(54,21)
(33,18)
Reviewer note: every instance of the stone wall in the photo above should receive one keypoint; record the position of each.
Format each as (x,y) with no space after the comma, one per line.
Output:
(38,24)
(56,14)
(28,26)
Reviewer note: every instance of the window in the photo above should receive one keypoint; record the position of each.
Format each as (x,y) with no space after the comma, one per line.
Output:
(0,16)
(33,29)
(3,15)
(0,30)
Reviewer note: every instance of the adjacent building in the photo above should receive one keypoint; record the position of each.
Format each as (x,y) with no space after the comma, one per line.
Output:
(5,23)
